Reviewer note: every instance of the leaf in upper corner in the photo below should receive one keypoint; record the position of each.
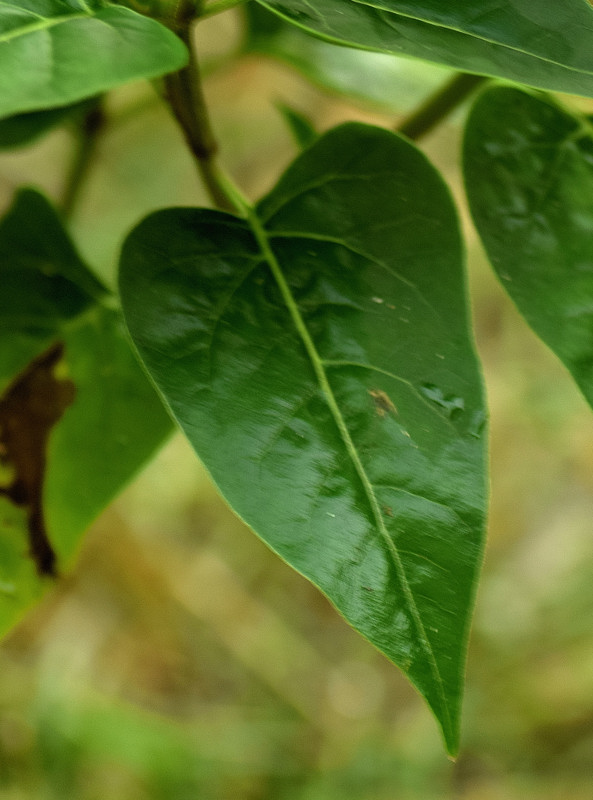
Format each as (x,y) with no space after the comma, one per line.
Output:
(78,417)
(543,43)
(528,167)
(54,52)
(318,358)
(376,79)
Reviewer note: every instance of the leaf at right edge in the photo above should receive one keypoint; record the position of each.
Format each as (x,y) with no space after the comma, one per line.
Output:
(116,421)
(372,485)
(528,168)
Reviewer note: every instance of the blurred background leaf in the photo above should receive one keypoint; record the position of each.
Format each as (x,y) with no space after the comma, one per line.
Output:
(104,419)
(23,129)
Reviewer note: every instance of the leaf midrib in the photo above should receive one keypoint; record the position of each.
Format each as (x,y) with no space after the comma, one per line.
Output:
(472,35)
(261,237)
(44,24)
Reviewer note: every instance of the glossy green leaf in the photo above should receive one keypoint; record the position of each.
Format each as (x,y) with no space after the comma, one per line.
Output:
(544,43)
(115,421)
(317,356)
(54,52)
(377,79)
(529,177)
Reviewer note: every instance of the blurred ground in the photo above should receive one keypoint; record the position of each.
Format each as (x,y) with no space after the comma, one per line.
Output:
(183,660)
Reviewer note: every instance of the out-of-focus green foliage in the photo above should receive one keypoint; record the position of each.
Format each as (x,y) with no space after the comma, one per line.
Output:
(129,683)
(112,420)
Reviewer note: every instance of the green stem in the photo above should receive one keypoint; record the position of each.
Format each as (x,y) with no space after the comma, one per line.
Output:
(186,98)
(90,129)
(439,105)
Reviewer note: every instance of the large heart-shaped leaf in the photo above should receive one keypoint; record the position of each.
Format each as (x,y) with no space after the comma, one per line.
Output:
(544,43)
(68,376)
(317,356)
(55,52)
(529,178)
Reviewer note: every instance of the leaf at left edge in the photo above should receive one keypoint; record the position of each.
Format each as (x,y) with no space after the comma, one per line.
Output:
(21,130)
(63,52)
(390,525)
(116,420)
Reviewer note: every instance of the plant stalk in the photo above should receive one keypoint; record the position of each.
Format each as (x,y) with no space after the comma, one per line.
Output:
(439,105)
(186,97)
(90,129)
